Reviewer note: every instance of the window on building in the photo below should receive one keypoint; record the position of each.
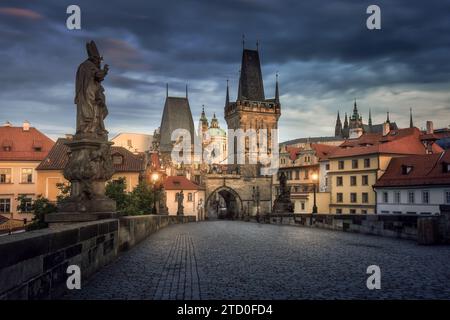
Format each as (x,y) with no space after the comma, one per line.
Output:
(190,197)
(302,204)
(353,197)
(341,165)
(385,197)
(364,211)
(327,166)
(425,197)
(117,159)
(367,163)
(339,181)
(5,175)
(26,175)
(339,197)
(445,167)
(129,144)
(28,205)
(365,180)
(397,197)
(447,196)
(352,211)
(297,174)
(338,211)
(355,164)
(411,197)
(353,180)
(306,174)
(406,169)
(5,205)
(326,181)
(365,197)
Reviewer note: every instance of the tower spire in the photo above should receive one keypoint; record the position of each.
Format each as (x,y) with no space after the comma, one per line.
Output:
(338,127)
(277,92)
(186,91)
(387,118)
(243,41)
(370,118)
(227,99)
(167,90)
(411,124)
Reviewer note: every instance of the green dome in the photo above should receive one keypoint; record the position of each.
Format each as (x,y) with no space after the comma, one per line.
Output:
(214,132)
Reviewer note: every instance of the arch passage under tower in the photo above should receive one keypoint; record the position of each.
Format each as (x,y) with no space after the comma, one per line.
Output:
(223,203)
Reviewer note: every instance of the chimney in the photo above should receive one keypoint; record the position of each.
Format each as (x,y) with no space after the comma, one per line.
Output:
(386,128)
(7,124)
(430,129)
(26,126)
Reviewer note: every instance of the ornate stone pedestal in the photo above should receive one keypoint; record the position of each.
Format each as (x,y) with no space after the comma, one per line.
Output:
(88,169)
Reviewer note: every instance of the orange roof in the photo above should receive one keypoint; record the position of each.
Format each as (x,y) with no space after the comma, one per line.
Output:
(23,144)
(425,170)
(180,183)
(401,141)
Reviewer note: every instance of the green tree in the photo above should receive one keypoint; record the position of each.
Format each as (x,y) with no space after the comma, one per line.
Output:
(141,199)
(116,190)
(64,191)
(40,207)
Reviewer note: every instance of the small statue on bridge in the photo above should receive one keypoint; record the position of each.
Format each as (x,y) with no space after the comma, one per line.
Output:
(283,203)
(180,198)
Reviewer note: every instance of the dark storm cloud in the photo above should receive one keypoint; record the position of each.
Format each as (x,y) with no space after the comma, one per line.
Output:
(322,50)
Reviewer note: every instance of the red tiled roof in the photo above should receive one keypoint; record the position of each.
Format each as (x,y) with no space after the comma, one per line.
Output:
(293,151)
(401,141)
(57,158)
(323,151)
(180,183)
(23,144)
(425,170)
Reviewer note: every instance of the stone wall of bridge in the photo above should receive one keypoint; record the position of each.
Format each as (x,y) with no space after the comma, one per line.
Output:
(33,265)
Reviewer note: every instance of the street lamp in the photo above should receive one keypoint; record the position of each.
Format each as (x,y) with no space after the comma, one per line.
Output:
(314,177)
(154,178)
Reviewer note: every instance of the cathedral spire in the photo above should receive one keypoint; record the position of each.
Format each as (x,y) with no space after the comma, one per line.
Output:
(277,92)
(338,127)
(411,124)
(250,80)
(370,118)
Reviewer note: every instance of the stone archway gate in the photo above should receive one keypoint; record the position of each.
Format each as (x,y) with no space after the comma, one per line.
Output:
(244,188)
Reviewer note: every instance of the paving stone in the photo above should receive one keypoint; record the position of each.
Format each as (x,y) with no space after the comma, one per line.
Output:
(244,260)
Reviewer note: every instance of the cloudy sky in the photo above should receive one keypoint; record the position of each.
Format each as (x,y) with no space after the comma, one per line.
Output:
(322,50)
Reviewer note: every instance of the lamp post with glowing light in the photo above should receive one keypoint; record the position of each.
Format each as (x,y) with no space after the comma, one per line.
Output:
(154,178)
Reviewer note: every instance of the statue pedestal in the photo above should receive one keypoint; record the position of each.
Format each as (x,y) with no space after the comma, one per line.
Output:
(88,169)
(283,205)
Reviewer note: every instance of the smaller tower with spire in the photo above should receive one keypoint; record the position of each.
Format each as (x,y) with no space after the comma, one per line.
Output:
(338,127)
(411,124)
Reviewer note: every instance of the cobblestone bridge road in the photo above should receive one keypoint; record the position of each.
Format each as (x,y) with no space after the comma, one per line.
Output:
(242,260)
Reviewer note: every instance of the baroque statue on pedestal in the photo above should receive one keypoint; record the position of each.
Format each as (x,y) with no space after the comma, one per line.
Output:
(90,162)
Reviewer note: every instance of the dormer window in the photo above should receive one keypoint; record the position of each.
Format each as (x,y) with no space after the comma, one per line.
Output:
(117,159)
(7,145)
(37,145)
(406,169)
(445,167)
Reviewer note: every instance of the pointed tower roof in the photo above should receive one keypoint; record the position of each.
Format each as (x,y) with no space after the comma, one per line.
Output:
(277,92)
(370,117)
(411,124)
(346,121)
(203,117)
(387,118)
(251,81)
(176,115)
